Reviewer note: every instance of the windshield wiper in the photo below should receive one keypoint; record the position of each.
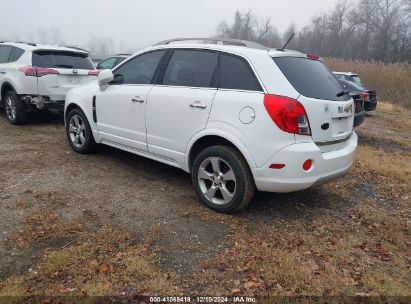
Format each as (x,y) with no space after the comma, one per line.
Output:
(346,92)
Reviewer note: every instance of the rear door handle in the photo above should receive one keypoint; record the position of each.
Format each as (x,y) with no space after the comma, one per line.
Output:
(2,72)
(137,99)
(198,105)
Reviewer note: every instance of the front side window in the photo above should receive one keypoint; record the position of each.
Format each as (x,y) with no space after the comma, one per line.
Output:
(236,74)
(311,78)
(191,68)
(108,63)
(139,70)
(5,51)
(62,60)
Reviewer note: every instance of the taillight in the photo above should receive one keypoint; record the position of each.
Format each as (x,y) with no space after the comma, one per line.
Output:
(365,96)
(315,57)
(288,114)
(37,72)
(94,73)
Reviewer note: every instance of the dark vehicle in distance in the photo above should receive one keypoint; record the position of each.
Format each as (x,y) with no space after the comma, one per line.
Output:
(353,83)
(112,61)
(358,97)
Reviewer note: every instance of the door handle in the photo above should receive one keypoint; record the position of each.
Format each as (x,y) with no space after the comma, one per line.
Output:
(137,99)
(2,72)
(198,105)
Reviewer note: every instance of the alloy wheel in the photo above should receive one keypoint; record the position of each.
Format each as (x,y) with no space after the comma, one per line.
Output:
(217,180)
(10,107)
(77,131)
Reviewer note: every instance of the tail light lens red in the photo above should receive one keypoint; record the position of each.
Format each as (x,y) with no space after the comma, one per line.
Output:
(37,72)
(94,73)
(312,56)
(365,96)
(288,114)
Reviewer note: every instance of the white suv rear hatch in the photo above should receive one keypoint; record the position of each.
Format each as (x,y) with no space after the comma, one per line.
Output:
(329,110)
(61,71)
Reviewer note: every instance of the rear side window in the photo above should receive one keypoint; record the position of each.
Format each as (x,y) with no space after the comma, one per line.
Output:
(311,78)
(191,68)
(139,70)
(62,60)
(5,51)
(236,74)
(16,54)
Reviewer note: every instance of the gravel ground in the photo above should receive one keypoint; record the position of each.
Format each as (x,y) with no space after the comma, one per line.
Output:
(151,201)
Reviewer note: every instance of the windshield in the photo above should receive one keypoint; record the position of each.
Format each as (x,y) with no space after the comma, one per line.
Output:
(352,86)
(65,60)
(356,79)
(311,78)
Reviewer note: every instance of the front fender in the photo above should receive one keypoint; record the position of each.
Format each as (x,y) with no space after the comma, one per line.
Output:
(86,107)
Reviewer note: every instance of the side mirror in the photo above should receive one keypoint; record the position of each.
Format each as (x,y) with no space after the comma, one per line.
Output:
(104,77)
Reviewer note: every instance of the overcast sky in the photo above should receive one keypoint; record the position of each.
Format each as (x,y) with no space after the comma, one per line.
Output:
(140,23)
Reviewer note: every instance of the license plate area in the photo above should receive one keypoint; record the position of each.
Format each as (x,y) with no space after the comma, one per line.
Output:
(341,126)
(69,80)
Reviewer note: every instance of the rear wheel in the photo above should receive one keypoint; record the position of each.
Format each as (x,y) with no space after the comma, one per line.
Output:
(79,134)
(15,108)
(222,179)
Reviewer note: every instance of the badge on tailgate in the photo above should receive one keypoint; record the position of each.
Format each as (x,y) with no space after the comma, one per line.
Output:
(346,109)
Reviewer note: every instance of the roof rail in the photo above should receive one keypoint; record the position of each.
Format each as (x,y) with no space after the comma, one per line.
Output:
(223,41)
(23,42)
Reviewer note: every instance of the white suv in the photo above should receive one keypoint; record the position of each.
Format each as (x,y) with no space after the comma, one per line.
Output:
(39,76)
(237,116)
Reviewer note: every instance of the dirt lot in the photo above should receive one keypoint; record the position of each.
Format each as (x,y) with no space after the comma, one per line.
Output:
(116,224)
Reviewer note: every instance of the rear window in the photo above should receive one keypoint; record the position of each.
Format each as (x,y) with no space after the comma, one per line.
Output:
(311,78)
(62,60)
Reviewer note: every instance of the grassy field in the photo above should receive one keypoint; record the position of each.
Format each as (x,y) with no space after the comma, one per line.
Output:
(391,81)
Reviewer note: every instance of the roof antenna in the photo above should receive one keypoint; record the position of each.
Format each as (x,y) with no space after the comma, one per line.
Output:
(288,41)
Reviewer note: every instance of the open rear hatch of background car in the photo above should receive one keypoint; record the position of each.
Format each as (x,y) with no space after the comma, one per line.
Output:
(60,71)
(330,111)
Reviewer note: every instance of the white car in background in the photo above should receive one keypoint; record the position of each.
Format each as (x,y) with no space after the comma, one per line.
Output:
(36,76)
(235,115)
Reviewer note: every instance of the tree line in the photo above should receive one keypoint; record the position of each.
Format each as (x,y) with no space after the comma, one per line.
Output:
(366,29)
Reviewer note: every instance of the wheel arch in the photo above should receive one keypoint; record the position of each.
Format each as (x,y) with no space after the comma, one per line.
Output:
(5,87)
(75,104)
(205,140)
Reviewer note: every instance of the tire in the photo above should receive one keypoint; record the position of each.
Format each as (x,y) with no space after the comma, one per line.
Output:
(79,134)
(15,108)
(222,179)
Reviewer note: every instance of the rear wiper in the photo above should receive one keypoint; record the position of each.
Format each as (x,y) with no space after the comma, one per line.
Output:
(346,92)
(63,66)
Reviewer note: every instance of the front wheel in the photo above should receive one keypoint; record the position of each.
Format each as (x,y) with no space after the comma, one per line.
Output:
(222,179)
(79,134)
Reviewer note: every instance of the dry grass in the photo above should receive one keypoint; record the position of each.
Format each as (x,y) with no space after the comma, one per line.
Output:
(102,264)
(43,225)
(391,81)
(394,165)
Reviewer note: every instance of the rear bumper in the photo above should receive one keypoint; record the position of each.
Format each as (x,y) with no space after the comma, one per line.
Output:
(44,103)
(370,106)
(326,167)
